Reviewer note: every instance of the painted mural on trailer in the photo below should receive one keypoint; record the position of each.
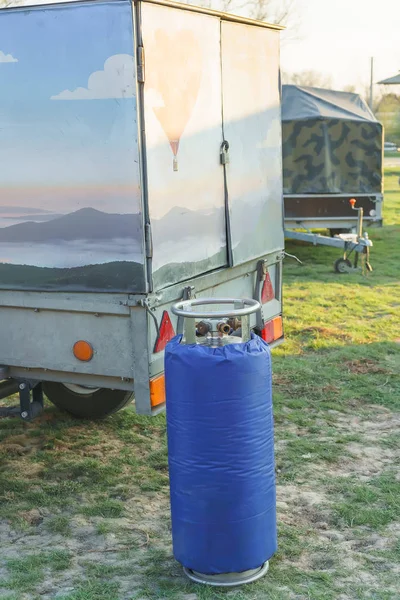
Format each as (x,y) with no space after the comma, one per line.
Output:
(69,179)
(183,116)
(183,120)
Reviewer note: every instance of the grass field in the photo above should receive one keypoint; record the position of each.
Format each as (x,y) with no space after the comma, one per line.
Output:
(84,509)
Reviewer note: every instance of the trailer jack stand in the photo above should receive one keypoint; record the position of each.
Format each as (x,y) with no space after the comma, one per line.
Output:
(30,399)
(343,265)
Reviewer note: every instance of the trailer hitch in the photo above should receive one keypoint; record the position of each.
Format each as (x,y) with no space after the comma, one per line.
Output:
(30,398)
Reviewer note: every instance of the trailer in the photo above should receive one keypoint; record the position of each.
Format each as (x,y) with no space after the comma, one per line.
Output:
(133,176)
(332,155)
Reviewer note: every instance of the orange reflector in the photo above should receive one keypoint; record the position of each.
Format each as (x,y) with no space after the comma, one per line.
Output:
(278,328)
(272,330)
(157,390)
(83,351)
(352,202)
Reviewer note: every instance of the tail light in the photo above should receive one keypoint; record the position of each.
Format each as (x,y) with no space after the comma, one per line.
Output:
(272,330)
(165,334)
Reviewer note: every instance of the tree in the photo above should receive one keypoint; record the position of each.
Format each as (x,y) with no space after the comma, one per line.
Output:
(308,78)
(350,88)
(274,11)
(279,12)
(388,113)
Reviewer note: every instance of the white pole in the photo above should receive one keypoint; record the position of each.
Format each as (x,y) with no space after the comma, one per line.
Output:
(371,90)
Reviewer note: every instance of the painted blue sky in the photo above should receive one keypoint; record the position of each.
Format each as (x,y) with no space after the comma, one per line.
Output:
(68,140)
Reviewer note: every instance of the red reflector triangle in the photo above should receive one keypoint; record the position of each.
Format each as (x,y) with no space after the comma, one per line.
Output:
(166,333)
(267,293)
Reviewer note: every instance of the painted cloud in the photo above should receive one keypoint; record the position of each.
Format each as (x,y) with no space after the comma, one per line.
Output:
(117,80)
(7,58)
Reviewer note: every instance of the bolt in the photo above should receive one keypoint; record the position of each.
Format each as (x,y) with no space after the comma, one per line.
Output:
(22,386)
(24,414)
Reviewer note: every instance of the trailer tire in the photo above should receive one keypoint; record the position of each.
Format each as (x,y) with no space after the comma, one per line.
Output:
(96,403)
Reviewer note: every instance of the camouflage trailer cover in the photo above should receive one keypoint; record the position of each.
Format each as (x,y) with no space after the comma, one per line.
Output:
(332,143)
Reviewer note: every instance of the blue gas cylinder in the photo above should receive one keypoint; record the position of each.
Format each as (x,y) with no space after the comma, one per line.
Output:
(221,455)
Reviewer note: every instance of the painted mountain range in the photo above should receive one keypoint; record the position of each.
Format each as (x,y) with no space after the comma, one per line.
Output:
(84,224)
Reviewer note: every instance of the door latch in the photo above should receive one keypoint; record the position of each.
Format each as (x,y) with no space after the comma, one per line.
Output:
(224,153)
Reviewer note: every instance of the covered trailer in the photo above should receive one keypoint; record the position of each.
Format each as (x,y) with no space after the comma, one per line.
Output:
(133,175)
(332,152)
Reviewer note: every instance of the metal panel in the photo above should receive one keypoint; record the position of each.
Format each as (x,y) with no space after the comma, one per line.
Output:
(70,198)
(315,207)
(252,127)
(44,340)
(339,223)
(239,281)
(140,348)
(108,304)
(183,137)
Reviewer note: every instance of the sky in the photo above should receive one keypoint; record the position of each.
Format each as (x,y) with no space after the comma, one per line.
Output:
(338,38)
(67,109)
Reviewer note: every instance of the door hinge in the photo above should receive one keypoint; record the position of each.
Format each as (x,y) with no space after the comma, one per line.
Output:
(148,240)
(140,64)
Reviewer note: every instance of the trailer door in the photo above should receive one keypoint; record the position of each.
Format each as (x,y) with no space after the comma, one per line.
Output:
(252,128)
(183,123)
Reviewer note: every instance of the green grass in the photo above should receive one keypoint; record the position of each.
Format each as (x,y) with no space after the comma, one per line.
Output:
(94,590)
(391,154)
(106,508)
(373,504)
(59,524)
(102,487)
(28,571)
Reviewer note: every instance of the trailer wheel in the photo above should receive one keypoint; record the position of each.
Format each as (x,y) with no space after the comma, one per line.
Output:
(85,402)
(343,265)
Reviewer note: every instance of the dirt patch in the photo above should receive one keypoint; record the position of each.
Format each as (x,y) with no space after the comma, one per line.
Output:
(374,426)
(281,380)
(356,556)
(303,506)
(330,388)
(23,470)
(147,510)
(121,549)
(32,517)
(324,332)
(364,367)
(363,461)
(19,445)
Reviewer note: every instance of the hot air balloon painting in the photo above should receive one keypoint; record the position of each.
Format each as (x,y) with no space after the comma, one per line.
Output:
(174,72)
